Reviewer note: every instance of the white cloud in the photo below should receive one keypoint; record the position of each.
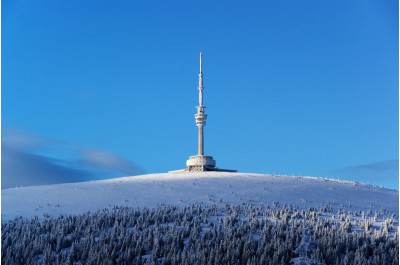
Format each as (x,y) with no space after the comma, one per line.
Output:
(29,159)
(107,161)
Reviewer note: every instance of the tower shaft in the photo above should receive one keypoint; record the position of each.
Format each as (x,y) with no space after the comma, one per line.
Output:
(201,143)
(200,116)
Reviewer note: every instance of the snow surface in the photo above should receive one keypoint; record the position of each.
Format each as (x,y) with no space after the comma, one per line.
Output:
(182,189)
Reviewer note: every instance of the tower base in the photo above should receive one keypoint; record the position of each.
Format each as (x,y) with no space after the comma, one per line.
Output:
(201,163)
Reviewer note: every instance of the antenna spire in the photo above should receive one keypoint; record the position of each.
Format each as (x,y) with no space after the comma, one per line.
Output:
(201,64)
(201,83)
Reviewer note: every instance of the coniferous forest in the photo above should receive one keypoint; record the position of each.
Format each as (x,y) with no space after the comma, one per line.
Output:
(199,234)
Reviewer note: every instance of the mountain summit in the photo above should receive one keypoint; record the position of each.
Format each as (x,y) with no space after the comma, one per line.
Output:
(182,189)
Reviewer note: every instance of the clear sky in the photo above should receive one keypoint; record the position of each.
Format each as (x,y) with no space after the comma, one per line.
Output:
(99,89)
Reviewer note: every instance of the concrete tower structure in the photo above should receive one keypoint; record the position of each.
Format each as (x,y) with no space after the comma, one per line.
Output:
(201,162)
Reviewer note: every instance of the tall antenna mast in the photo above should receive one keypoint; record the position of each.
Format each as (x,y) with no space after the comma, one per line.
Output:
(201,83)
(201,162)
(200,116)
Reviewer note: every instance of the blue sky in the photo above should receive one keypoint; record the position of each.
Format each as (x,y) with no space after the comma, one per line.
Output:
(99,89)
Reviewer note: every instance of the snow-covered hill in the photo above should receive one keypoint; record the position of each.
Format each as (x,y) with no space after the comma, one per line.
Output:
(184,188)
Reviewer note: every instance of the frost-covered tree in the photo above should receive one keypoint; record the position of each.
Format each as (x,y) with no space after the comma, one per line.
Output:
(196,234)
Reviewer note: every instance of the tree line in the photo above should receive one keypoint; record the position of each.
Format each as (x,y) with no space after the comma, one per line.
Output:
(198,234)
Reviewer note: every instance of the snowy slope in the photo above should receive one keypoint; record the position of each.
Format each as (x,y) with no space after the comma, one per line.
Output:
(185,188)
